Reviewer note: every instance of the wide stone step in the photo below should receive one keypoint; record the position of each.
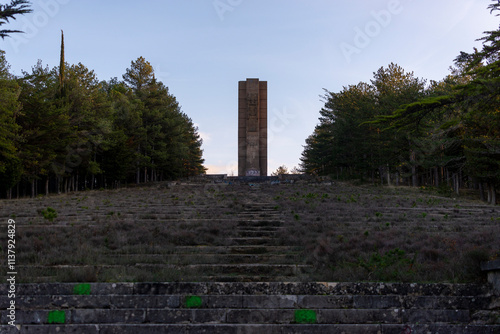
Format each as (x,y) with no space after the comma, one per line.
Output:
(260,288)
(259,208)
(259,215)
(250,329)
(251,269)
(255,234)
(253,241)
(201,258)
(240,268)
(235,316)
(261,228)
(260,223)
(239,249)
(245,278)
(259,302)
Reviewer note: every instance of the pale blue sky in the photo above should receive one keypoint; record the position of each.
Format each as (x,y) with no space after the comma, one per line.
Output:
(201,48)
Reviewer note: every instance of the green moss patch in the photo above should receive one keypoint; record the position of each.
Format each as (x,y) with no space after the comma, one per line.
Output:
(81,289)
(56,317)
(305,316)
(193,302)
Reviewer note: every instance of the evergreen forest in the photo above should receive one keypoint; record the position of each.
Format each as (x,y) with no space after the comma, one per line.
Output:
(64,130)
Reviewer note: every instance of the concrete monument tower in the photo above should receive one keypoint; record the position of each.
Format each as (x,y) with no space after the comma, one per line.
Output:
(252,128)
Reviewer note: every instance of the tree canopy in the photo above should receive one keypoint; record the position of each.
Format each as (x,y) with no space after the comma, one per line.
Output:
(9,11)
(63,129)
(398,128)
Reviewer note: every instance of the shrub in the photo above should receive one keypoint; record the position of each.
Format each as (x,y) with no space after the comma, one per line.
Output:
(50,214)
(387,267)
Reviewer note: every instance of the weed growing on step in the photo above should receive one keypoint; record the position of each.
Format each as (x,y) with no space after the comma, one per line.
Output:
(389,266)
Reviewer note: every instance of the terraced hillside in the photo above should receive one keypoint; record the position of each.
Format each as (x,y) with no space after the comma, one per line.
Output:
(246,258)
(242,232)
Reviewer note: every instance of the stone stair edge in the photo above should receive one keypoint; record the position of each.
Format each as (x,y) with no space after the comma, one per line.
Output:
(264,288)
(251,329)
(238,316)
(337,303)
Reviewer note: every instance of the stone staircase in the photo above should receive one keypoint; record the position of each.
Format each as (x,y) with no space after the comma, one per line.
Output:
(247,249)
(257,254)
(235,307)
(246,279)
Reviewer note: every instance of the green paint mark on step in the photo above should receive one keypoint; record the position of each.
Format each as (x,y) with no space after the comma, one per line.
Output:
(81,289)
(305,316)
(56,317)
(193,302)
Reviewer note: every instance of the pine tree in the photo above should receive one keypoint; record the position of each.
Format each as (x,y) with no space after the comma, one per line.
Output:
(140,75)
(62,69)
(45,126)
(10,164)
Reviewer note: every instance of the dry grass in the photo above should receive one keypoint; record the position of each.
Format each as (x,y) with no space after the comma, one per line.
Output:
(390,234)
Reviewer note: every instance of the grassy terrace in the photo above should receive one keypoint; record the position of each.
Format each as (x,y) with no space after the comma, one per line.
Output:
(297,232)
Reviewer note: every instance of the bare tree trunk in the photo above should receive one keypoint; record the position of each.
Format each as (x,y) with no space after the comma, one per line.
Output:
(33,188)
(414,176)
(488,192)
(456,183)
(47,186)
(436,176)
(388,175)
(492,196)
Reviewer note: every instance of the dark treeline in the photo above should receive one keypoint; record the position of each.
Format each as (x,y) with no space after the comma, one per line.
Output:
(63,130)
(399,129)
